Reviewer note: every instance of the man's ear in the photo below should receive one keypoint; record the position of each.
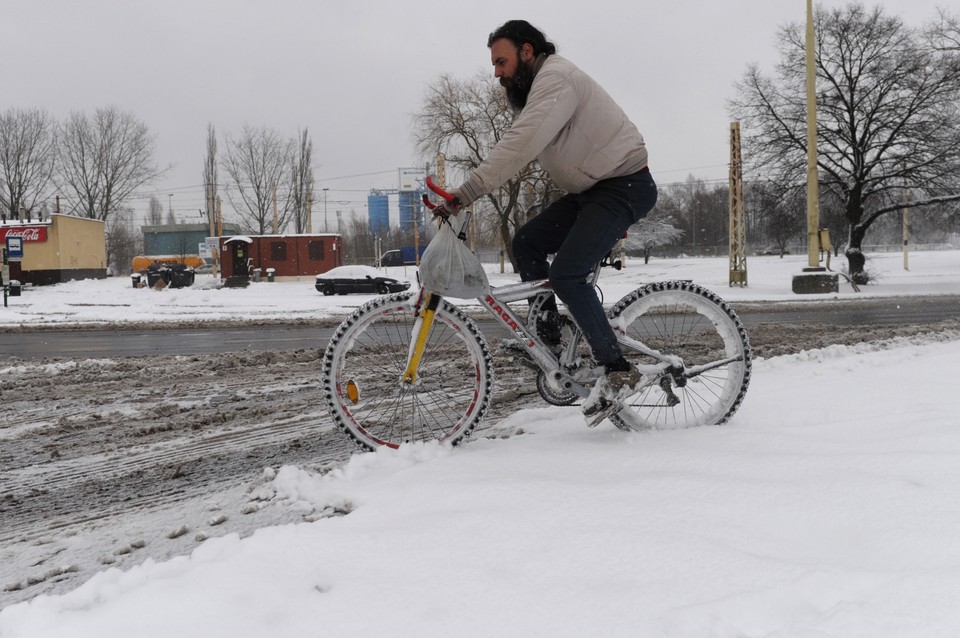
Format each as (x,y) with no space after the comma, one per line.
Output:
(526,52)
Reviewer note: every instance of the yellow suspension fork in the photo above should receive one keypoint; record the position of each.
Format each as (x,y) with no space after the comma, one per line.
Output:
(421,332)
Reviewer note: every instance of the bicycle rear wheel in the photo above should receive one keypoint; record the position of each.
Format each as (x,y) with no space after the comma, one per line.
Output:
(365,361)
(679,318)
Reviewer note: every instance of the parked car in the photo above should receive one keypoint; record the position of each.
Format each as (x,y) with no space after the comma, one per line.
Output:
(773,250)
(363,279)
(391,258)
(406,256)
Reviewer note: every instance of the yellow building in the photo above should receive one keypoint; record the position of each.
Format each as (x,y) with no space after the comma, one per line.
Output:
(59,249)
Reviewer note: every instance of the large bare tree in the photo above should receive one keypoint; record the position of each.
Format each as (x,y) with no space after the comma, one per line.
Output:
(888,126)
(28,147)
(464,119)
(104,159)
(301,181)
(258,165)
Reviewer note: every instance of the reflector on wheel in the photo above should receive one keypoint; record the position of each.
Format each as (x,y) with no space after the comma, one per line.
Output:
(353,391)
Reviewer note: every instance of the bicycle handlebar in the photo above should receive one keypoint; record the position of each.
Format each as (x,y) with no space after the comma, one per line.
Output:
(439,191)
(447,197)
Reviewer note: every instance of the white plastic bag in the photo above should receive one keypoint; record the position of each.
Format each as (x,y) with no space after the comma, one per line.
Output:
(449,268)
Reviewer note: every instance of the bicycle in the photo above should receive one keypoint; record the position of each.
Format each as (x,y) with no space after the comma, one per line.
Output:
(413,367)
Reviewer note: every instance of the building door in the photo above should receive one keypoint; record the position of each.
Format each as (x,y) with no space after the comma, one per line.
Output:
(241,253)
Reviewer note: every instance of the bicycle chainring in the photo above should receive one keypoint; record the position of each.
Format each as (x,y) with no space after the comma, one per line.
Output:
(552,396)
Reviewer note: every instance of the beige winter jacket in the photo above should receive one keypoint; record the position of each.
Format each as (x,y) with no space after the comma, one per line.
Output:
(572,125)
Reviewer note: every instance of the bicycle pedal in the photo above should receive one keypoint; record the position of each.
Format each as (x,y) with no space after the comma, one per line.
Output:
(605,412)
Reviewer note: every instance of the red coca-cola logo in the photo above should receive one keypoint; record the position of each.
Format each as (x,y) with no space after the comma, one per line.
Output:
(27,233)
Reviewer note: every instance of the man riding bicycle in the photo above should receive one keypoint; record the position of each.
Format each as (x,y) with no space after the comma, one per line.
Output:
(592,150)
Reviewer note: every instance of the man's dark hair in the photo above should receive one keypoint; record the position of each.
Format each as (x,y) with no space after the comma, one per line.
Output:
(521,32)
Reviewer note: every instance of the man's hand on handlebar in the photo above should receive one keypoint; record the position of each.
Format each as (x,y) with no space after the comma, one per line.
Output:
(449,206)
(446,209)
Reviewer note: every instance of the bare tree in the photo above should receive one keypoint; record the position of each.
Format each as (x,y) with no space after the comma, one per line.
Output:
(301,184)
(104,159)
(464,120)
(28,146)
(154,211)
(699,209)
(210,174)
(888,124)
(778,210)
(258,165)
(123,241)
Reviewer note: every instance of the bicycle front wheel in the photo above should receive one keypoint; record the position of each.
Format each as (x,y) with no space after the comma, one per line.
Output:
(682,319)
(364,364)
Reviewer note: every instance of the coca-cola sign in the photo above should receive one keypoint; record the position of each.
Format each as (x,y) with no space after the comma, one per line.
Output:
(27,233)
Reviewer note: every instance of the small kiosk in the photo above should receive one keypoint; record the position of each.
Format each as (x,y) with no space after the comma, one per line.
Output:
(290,257)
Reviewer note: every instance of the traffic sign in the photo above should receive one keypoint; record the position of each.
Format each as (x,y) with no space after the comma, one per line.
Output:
(14,248)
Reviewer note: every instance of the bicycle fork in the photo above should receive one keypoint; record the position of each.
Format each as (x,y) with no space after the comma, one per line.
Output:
(421,332)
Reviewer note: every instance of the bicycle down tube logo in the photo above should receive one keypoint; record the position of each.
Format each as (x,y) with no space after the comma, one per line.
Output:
(506,318)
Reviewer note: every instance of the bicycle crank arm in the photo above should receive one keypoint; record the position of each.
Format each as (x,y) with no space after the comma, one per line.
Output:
(693,371)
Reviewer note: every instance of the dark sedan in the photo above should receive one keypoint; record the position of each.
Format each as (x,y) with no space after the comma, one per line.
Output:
(359,279)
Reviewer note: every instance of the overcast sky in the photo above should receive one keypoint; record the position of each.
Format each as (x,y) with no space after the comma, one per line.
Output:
(353,72)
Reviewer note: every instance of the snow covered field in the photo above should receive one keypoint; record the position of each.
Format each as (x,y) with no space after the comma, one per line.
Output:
(826,507)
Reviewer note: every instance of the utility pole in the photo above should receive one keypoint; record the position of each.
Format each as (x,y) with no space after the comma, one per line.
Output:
(813,188)
(326,228)
(275,221)
(211,217)
(738,233)
(310,212)
(814,278)
(210,205)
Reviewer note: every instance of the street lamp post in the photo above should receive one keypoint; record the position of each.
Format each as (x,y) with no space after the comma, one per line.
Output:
(326,227)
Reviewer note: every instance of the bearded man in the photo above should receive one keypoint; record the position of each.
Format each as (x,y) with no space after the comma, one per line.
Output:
(592,150)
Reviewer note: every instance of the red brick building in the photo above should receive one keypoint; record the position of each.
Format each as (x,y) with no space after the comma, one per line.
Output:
(291,256)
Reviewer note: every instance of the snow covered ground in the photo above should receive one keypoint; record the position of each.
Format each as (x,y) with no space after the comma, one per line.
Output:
(826,507)
(770,277)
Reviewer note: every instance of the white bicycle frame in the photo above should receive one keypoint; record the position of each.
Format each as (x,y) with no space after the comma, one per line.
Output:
(554,367)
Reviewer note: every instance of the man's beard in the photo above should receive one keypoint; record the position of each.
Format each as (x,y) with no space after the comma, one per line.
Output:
(518,87)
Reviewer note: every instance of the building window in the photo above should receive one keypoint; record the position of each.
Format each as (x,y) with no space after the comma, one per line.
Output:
(278,251)
(315,250)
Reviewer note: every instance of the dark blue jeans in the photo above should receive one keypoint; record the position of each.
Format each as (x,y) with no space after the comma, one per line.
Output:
(579,230)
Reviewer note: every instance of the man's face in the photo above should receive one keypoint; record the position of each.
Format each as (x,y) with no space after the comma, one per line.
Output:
(514,68)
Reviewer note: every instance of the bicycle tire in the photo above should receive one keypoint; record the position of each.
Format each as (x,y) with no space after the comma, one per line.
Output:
(685,319)
(366,358)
